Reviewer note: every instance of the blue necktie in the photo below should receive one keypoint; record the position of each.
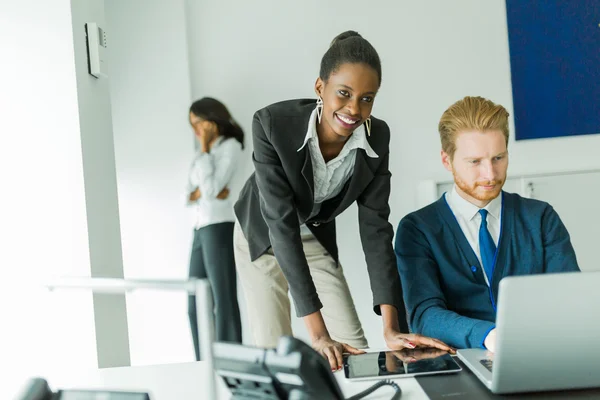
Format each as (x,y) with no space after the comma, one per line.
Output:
(486,246)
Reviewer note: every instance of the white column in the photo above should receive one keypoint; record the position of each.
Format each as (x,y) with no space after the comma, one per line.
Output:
(100,180)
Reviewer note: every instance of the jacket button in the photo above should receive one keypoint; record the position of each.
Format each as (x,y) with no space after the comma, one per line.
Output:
(315,224)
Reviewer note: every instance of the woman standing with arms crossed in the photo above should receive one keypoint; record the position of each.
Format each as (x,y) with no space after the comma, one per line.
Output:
(312,161)
(220,141)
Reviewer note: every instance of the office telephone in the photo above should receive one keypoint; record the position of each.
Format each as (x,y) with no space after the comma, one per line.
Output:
(38,389)
(292,371)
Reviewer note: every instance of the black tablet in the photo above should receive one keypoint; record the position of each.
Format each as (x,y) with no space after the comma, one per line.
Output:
(399,364)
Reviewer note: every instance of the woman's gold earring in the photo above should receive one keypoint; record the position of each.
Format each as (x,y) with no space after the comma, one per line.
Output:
(319,108)
(368,126)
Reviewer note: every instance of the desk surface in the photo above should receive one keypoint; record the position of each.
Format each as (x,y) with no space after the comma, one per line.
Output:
(186,381)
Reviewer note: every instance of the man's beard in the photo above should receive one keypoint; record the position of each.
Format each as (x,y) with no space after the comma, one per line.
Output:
(474,193)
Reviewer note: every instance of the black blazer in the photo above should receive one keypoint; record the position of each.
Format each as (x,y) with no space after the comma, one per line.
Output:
(278,197)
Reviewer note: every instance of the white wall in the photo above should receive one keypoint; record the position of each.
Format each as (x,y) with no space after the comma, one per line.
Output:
(154,145)
(433,52)
(42,207)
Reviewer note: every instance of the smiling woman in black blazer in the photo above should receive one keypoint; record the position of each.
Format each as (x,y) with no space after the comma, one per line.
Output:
(312,161)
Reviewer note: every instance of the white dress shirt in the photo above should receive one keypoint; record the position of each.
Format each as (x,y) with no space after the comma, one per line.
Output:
(330,178)
(211,172)
(469,219)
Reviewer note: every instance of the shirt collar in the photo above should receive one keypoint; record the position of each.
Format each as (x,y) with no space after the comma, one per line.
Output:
(468,210)
(358,139)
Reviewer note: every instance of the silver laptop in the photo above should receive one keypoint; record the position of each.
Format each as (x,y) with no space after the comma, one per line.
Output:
(548,335)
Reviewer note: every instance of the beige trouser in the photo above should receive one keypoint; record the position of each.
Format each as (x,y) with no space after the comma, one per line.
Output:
(266,294)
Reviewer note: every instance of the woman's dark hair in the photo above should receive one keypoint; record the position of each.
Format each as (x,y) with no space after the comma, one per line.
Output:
(349,47)
(213,110)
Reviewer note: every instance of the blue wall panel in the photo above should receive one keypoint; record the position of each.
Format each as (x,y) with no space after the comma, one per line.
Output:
(555,67)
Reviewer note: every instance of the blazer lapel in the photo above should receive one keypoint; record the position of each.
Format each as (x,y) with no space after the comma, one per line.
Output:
(307,171)
(307,168)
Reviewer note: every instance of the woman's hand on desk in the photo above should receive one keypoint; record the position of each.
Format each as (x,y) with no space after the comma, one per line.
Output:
(324,344)
(398,341)
(332,351)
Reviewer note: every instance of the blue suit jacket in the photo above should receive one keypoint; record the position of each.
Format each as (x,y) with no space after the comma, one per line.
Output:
(443,284)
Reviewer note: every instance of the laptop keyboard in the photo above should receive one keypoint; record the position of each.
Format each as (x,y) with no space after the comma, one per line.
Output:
(487,363)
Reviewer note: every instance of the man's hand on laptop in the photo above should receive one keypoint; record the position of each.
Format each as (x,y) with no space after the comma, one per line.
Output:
(490,341)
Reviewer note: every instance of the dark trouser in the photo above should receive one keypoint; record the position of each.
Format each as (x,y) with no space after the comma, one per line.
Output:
(212,259)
